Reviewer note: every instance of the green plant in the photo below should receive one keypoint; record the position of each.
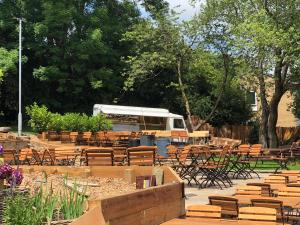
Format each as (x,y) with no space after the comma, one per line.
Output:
(72,202)
(71,121)
(22,210)
(56,122)
(100,122)
(39,117)
(41,120)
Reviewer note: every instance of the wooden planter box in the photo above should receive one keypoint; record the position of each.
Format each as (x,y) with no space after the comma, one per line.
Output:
(151,206)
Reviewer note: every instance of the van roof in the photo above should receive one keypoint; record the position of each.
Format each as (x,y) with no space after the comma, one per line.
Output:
(132,110)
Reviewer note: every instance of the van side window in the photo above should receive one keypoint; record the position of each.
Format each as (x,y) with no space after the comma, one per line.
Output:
(178,124)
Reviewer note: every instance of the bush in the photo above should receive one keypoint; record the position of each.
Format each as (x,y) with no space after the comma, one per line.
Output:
(71,122)
(56,122)
(100,122)
(42,120)
(39,117)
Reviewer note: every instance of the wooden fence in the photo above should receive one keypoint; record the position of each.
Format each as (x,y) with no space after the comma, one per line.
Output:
(286,135)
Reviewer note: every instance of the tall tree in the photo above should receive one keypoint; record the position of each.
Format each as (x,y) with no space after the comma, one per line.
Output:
(266,35)
(73,50)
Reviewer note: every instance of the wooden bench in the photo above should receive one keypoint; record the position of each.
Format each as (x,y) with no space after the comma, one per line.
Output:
(142,155)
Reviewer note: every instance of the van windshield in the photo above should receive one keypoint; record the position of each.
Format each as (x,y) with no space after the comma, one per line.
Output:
(178,124)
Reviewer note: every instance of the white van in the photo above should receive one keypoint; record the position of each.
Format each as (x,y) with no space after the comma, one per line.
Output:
(140,118)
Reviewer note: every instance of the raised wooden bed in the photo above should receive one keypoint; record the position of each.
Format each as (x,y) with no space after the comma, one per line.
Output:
(149,206)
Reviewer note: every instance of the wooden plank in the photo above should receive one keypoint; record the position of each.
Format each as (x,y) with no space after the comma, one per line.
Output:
(123,205)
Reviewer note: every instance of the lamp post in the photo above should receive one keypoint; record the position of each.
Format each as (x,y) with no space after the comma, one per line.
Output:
(20,79)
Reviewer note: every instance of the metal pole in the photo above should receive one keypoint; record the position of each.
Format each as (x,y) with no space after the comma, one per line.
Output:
(20,79)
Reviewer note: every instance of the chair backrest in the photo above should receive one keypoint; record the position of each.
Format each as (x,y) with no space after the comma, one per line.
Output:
(244,149)
(229,205)
(172,151)
(257,214)
(276,179)
(65,136)
(204,211)
(265,188)
(99,157)
(36,156)
(184,154)
(248,190)
(25,153)
(255,150)
(293,185)
(87,135)
(289,192)
(269,203)
(141,155)
(9,155)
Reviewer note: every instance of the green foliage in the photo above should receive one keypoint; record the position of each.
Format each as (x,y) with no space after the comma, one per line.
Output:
(56,122)
(71,122)
(73,51)
(42,120)
(21,210)
(71,202)
(100,122)
(8,61)
(40,207)
(40,117)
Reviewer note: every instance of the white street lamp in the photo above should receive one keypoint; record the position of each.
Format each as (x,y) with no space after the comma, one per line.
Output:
(20,79)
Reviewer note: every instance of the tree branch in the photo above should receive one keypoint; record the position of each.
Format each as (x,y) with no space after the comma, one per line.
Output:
(226,72)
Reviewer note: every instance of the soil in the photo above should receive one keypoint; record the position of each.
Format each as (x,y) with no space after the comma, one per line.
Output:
(93,187)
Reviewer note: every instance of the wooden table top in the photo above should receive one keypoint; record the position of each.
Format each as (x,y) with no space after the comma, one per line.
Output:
(293,202)
(204,221)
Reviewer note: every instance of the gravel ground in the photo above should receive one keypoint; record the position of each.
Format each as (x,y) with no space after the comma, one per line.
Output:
(97,188)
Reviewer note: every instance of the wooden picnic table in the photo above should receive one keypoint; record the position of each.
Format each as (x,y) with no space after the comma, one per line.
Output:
(205,221)
(292,202)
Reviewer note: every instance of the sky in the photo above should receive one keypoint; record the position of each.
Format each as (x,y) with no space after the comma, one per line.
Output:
(186,7)
(182,6)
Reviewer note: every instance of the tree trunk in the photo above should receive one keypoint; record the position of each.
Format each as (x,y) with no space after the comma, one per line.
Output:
(280,73)
(223,86)
(184,96)
(272,121)
(263,128)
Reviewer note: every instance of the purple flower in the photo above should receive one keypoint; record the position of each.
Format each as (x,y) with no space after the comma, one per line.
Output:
(1,150)
(5,171)
(15,178)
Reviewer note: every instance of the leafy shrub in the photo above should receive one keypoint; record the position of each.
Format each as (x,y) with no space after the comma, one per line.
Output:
(39,117)
(42,120)
(56,122)
(40,207)
(71,122)
(100,122)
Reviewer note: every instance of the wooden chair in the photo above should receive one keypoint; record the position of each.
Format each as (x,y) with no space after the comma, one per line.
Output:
(265,188)
(37,157)
(65,155)
(99,157)
(270,203)
(229,205)
(73,137)
(65,137)
(248,190)
(276,179)
(257,214)
(293,185)
(204,211)
(289,192)
(120,155)
(141,155)
(52,136)
(244,149)
(10,156)
(25,156)
(84,137)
